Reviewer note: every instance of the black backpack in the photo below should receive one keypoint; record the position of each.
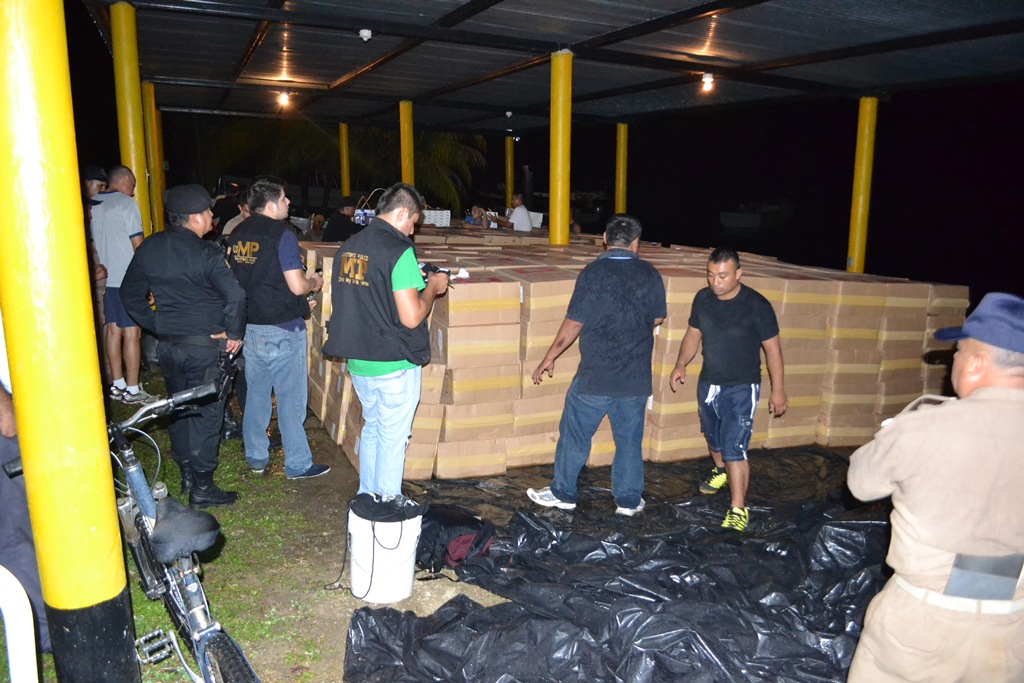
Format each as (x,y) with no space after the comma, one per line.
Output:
(448,535)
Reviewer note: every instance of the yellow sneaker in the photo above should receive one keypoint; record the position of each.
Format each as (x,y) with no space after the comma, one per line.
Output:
(716,480)
(736,519)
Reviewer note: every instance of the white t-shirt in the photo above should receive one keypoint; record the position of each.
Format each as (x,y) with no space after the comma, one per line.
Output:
(521,219)
(115,221)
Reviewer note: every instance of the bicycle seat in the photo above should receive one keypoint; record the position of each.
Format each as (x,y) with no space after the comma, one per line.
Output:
(180,531)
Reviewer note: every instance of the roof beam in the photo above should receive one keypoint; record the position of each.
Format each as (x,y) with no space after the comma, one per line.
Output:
(1000,28)
(698,13)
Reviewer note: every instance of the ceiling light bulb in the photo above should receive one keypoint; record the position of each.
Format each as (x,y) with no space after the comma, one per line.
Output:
(282,99)
(365,34)
(708,80)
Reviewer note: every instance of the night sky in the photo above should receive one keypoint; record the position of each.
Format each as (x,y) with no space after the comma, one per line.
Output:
(947,197)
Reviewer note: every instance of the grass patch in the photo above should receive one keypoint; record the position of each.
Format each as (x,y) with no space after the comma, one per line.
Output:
(258,534)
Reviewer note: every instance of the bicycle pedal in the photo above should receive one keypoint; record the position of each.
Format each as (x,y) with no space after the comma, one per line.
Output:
(154,647)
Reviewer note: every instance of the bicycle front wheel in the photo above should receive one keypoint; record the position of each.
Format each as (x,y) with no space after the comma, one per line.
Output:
(225,661)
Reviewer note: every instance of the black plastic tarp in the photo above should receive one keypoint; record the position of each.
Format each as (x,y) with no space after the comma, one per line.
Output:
(666,596)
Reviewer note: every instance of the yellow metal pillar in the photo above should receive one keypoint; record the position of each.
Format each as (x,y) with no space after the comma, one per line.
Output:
(862,184)
(621,148)
(346,169)
(510,169)
(561,123)
(51,347)
(160,152)
(153,159)
(127,90)
(408,155)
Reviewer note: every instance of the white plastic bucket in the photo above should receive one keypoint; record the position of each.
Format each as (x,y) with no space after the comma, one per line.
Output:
(383,558)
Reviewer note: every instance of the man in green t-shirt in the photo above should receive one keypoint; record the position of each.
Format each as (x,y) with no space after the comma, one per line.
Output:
(381,304)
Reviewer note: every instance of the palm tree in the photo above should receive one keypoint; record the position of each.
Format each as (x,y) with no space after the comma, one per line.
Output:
(297,150)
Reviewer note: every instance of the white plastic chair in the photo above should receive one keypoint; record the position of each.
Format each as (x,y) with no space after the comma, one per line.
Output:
(19,629)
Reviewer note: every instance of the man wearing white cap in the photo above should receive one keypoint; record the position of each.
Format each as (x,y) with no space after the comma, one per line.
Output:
(954,608)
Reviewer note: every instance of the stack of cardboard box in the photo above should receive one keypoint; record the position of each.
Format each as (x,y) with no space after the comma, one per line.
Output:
(474,334)
(857,348)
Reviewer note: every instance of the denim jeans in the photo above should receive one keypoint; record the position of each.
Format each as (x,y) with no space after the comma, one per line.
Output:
(727,417)
(389,405)
(275,361)
(580,419)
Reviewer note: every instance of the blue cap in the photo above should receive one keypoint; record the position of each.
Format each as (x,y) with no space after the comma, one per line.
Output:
(998,320)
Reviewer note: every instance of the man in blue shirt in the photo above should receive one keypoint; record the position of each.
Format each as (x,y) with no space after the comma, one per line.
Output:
(267,263)
(616,304)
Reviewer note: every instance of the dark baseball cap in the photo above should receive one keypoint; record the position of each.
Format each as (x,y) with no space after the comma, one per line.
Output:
(998,320)
(94,173)
(185,200)
(348,200)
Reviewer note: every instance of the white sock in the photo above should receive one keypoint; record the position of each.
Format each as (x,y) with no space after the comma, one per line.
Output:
(133,389)
(120,384)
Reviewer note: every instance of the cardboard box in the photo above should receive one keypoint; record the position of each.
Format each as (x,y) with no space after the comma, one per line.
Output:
(474,347)
(802,332)
(432,383)
(676,443)
(419,461)
(535,338)
(556,385)
(806,294)
(482,299)
(477,421)
(534,449)
(668,409)
(902,336)
(907,299)
(477,385)
(316,400)
(853,332)
(483,457)
(907,370)
(948,300)
(545,291)
(937,322)
(426,425)
(852,370)
(537,415)
(859,296)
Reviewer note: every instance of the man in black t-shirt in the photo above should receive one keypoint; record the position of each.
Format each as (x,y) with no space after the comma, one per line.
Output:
(616,304)
(732,323)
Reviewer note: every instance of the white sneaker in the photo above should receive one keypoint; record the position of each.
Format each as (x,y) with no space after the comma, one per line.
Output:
(549,500)
(631,512)
(142,396)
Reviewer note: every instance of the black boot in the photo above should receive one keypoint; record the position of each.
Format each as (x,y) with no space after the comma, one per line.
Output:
(188,478)
(206,494)
(231,428)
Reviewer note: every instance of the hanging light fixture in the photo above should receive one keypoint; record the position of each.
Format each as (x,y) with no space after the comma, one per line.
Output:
(283,99)
(708,80)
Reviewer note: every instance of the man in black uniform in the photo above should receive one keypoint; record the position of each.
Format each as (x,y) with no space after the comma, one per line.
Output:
(340,225)
(200,313)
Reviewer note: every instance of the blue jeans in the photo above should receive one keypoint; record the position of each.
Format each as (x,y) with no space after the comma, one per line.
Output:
(275,361)
(581,417)
(389,405)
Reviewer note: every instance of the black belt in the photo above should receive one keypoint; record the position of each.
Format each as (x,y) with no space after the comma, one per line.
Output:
(191,340)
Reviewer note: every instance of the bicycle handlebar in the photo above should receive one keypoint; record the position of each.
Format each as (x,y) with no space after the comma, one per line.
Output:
(166,406)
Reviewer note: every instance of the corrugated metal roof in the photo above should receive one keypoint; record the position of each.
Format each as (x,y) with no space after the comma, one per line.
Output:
(465,63)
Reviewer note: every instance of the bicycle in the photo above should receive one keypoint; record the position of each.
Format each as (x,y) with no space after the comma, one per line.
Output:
(163,537)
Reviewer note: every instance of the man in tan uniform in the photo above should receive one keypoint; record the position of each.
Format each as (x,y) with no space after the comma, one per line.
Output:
(954,609)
